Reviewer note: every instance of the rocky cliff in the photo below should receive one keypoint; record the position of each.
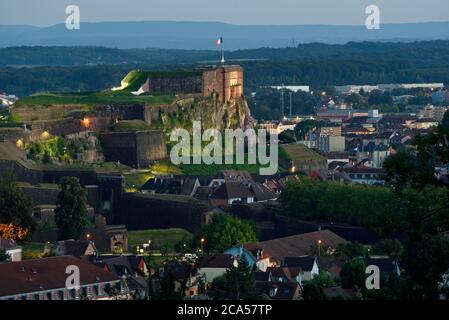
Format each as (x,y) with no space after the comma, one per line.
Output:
(213,114)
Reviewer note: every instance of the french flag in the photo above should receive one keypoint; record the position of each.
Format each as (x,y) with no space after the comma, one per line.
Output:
(220,41)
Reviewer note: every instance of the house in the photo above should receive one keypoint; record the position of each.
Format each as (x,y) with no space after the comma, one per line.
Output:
(231,192)
(253,254)
(300,245)
(364,175)
(275,274)
(301,268)
(424,123)
(76,248)
(131,268)
(279,290)
(262,193)
(387,265)
(231,176)
(284,181)
(183,274)
(12,249)
(135,264)
(186,186)
(331,264)
(211,267)
(45,279)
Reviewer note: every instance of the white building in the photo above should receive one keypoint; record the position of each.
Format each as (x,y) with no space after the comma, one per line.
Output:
(12,249)
(292,88)
(331,143)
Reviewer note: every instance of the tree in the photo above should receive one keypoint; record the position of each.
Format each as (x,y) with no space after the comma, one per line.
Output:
(46,158)
(313,291)
(336,202)
(287,136)
(237,283)
(404,169)
(71,209)
(353,274)
(377,97)
(425,214)
(10,231)
(4,256)
(302,128)
(226,231)
(168,288)
(15,207)
(353,99)
(352,250)
(390,247)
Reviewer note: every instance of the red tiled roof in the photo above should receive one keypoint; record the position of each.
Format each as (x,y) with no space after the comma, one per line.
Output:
(47,274)
(254,248)
(300,245)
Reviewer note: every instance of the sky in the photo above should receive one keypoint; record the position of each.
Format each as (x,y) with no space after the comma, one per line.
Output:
(243,12)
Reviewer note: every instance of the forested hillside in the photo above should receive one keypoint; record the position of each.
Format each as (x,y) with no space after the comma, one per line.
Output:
(25,70)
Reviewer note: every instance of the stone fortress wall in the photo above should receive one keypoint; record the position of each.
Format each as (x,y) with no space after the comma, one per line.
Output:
(173,84)
(226,81)
(134,148)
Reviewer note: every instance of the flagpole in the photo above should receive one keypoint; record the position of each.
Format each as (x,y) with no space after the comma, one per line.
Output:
(222,55)
(222,52)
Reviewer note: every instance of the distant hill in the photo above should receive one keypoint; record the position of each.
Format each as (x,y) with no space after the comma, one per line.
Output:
(202,35)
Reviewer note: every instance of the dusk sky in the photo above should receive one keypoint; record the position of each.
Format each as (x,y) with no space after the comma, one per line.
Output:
(246,12)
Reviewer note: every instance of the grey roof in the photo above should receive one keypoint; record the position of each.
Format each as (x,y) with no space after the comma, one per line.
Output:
(284,290)
(231,190)
(387,265)
(304,263)
(234,175)
(262,192)
(8,244)
(121,265)
(76,248)
(169,185)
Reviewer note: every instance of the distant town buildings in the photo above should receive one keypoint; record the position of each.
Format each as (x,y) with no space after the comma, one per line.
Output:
(7,100)
(348,89)
(292,88)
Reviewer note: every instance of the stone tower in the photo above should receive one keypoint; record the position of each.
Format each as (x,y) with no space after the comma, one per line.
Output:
(226,81)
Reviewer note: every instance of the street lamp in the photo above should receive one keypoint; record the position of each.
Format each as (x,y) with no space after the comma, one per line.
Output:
(202,245)
(319,248)
(86,123)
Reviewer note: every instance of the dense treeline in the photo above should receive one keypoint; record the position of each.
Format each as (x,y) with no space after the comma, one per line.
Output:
(373,207)
(25,81)
(265,104)
(86,68)
(422,53)
(75,56)
(337,71)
